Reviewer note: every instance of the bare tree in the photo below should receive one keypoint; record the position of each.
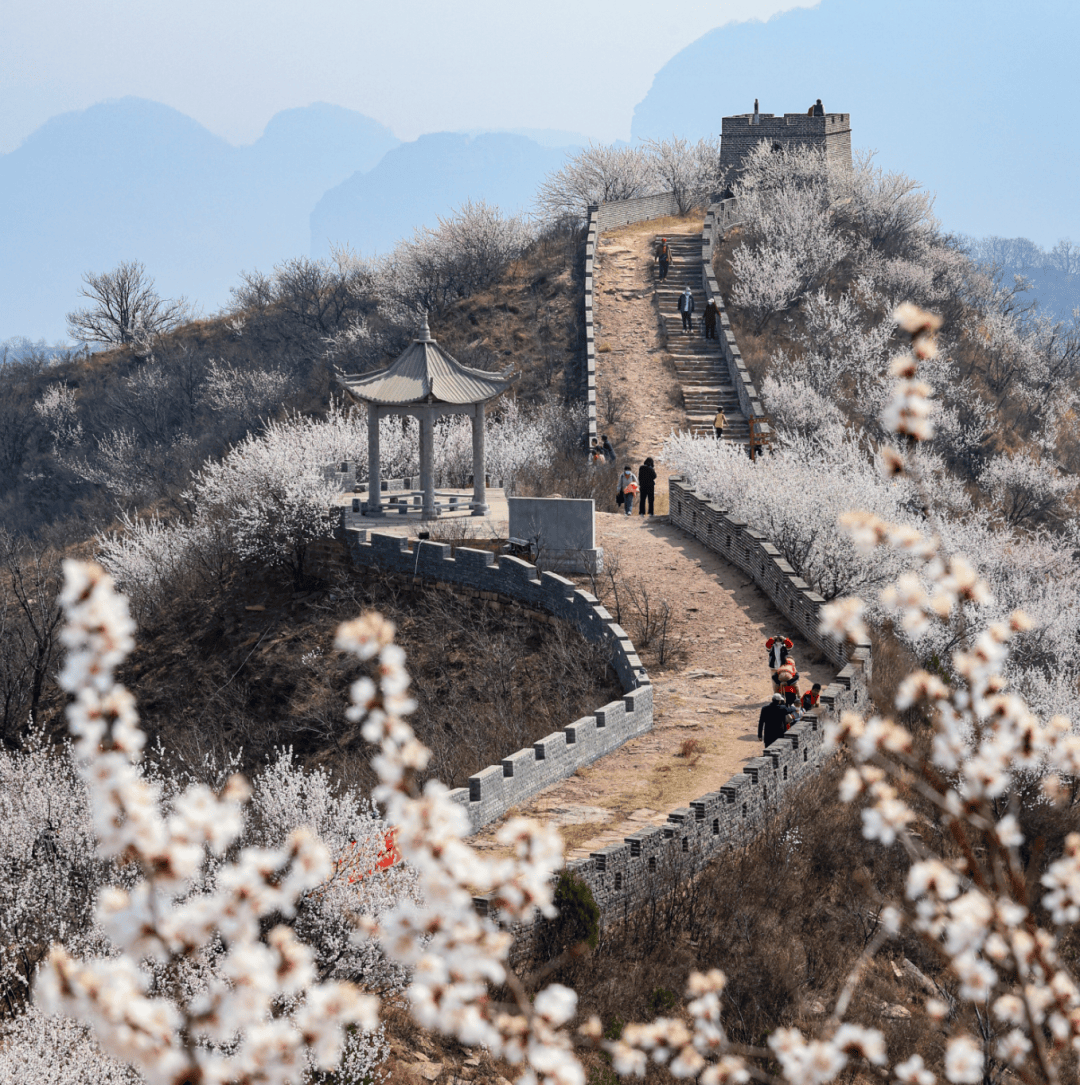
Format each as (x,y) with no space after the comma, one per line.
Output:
(691,171)
(125,308)
(598,174)
(29,627)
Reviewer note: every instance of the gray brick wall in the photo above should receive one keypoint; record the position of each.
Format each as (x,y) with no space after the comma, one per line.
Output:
(618,213)
(751,552)
(510,581)
(719,218)
(831,133)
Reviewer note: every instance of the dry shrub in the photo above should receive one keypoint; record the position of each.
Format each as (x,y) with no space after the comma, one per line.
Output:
(690,747)
(216,675)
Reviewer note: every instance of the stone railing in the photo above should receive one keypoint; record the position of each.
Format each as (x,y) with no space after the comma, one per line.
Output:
(719,218)
(348,478)
(608,216)
(509,581)
(640,209)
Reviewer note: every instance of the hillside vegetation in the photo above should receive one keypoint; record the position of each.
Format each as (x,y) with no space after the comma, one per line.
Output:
(910,913)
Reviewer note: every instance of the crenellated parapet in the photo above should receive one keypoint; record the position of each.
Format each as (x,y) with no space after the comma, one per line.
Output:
(509,581)
(742,134)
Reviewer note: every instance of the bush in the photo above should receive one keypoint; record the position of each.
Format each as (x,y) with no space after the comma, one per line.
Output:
(578,921)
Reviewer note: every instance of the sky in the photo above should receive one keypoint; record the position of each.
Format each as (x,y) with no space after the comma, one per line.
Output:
(414,65)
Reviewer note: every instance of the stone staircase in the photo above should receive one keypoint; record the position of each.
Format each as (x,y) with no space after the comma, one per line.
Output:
(702,371)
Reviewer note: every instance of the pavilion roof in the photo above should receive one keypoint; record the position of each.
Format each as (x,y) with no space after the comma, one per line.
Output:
(425,373)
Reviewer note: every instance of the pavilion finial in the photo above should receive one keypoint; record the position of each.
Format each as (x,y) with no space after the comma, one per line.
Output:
(425,331)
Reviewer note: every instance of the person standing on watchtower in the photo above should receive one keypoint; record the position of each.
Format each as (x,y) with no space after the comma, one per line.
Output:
(686,307)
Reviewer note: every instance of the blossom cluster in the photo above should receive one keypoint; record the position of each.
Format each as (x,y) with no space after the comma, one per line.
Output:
(231,1027)
(975,906)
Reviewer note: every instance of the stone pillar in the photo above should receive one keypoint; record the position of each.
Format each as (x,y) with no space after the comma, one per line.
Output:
(479,463)
(374,501)
(427,461)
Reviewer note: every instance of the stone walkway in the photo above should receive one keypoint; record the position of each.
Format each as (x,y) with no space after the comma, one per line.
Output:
(707,703)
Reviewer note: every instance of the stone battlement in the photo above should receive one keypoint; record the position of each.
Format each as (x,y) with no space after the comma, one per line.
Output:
(510,581)
(740,135)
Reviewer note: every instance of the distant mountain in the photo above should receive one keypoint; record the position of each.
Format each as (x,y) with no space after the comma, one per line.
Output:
(418,181)
(546,137)
(1054,275)
(133,179)
(967,98)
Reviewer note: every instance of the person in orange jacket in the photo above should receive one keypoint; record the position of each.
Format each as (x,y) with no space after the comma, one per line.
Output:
(811,697)
(787,681)
(628,486)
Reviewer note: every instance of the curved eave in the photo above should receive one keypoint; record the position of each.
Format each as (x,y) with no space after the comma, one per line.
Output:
(426,374)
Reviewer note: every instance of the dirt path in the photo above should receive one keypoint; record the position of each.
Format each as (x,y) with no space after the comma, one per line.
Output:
(707,704)
(633,368)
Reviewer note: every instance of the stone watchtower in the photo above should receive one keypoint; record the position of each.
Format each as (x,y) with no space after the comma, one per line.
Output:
(829,131)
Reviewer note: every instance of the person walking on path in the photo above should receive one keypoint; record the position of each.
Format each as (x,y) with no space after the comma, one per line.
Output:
(663,257)
(686,307)
(647,481)
(788,678)
(774,721)
(711,315)
(719,422)
(628,486)
(608,451)
(777,648)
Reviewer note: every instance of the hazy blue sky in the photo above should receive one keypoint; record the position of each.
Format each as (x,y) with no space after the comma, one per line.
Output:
(415,65)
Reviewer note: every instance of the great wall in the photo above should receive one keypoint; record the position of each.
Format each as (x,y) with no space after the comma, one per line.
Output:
(625,875)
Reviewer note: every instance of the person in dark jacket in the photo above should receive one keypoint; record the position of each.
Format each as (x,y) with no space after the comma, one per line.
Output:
(818,109)
(647,482)
(605,447)
(778,648)
(686,307)
(711,314)
(663,257)
(774,720)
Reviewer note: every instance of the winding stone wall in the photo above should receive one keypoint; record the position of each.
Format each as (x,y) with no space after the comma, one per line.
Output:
(751,552)
(651,862)
(509,581)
